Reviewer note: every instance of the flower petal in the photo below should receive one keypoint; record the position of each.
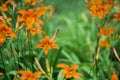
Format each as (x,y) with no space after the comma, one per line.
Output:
(64,66)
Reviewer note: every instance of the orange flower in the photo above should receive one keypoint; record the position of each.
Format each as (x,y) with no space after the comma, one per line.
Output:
(109,3)
(98,8)
(106,32)
(47,44)
(1,73)
(114,77)
(31,16)
(70,72)
(2,39)
(35,30)
(117,16)
(32,2)
(104,44)
(28,75)
(5,31)
(4,6)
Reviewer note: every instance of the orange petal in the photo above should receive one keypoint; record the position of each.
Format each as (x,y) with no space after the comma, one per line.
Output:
(1,18)
(114,77)
(74,67)
(68,75)
(76,75)
(23,12)
(39,46)
(37,74)
(9,18)
(56,47)
(21,71)
(104,44)
(2,40)
(64,66)
(111,30)
(1,73)
(47,38)
(20,19)
(40,22)
(35,30)
(28,1)
(30,11)
(46,51)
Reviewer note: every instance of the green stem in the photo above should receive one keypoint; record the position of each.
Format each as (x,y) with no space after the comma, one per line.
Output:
(90,71)
(3,62)
(16,66)
(96,51)
(30,47)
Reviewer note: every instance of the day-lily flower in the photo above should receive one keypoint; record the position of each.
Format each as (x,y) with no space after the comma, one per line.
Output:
(106,32)
(100,7)
(4,6)
(117,16)
(109,3)
(47,44)
(114,77)
(31,16)
(28,75)
(5,31)
(103,43)
(69,72)
(4,17)
(1,73)
(32,2)
(35,30)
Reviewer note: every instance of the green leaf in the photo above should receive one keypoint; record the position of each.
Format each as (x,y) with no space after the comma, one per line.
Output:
(60,76)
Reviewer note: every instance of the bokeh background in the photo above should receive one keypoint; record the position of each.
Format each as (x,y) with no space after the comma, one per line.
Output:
(78,39)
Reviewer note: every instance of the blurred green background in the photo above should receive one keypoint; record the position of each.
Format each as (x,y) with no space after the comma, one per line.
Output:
(77,40)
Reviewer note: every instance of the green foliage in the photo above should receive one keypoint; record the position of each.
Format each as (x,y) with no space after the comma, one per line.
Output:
(77,41)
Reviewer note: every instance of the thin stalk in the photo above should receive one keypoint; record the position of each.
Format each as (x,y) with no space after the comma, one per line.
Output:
(96,57)
(55,34)
(116,54)
(40,68)
(48,66)
(49,70)
(97,49)
(95,60)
